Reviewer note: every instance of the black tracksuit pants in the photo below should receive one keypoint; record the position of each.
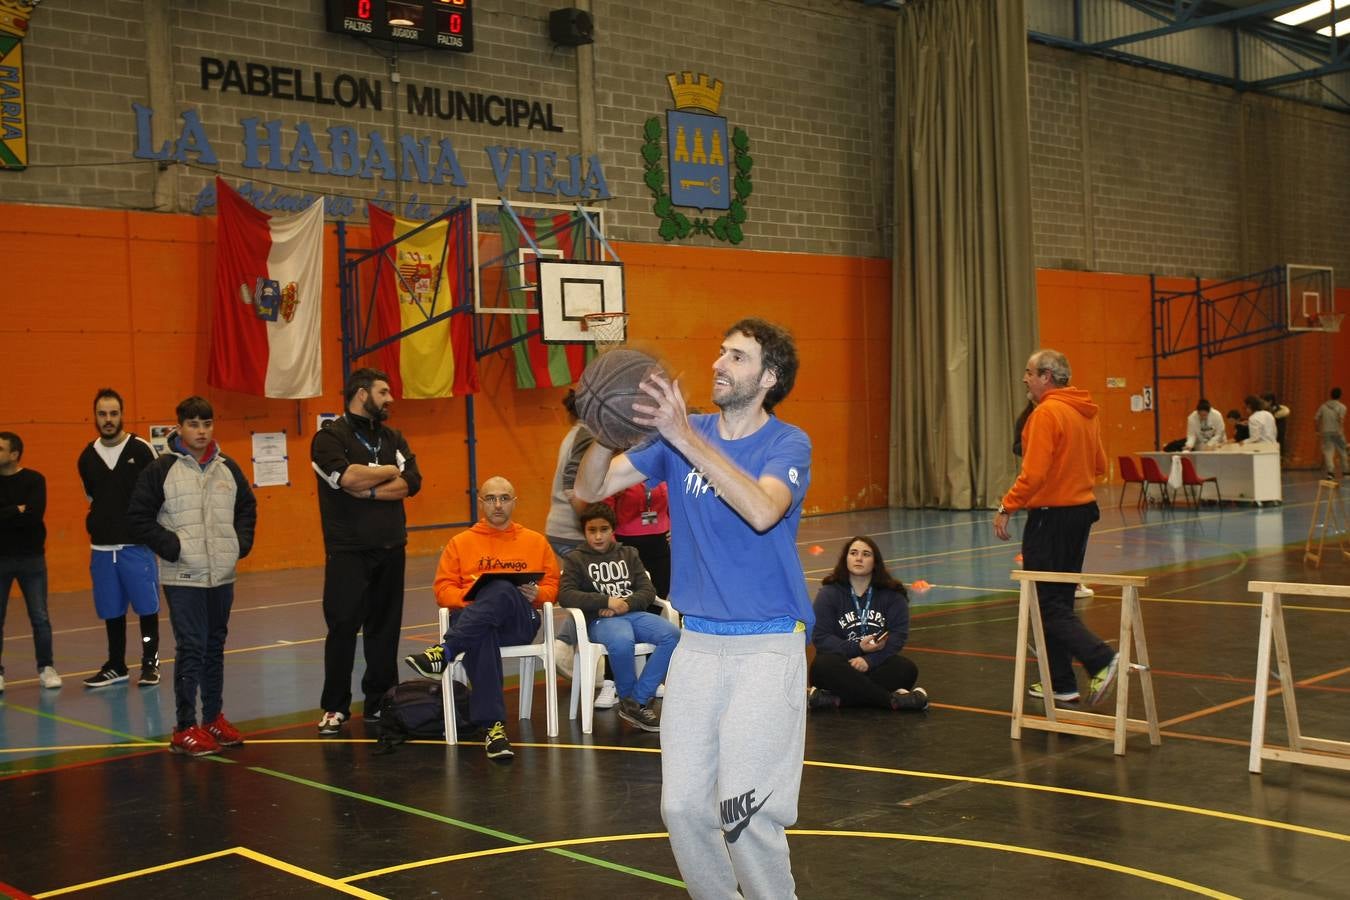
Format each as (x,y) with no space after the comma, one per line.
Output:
(362,591)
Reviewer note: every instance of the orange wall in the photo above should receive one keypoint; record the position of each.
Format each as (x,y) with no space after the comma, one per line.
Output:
(99,298)
(1101,321)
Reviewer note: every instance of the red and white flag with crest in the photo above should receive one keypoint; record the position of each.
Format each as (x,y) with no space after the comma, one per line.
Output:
(269,286)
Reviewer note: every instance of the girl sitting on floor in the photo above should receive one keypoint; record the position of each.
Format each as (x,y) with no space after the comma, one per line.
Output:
(862,622)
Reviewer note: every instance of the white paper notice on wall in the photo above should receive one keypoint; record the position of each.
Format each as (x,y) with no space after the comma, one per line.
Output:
(1136,403)
(270,464)
(1114,382)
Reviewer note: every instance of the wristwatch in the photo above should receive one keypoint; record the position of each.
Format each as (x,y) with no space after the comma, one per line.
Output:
(372,493)
(1002,510)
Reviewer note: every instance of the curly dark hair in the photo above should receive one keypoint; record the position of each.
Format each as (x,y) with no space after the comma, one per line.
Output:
(881,578)
(779,353)
(598,511)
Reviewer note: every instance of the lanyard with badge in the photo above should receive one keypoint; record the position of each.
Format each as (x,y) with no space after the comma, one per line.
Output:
(862,611)
(374,451)
(648,514)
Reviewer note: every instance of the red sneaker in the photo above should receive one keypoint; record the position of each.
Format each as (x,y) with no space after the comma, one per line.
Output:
(225,734)
(194,741)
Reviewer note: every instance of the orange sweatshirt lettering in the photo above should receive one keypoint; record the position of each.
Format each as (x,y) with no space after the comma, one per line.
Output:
(485,549)
(1062,455)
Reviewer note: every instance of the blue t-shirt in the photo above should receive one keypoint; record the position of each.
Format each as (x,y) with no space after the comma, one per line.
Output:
(720,567)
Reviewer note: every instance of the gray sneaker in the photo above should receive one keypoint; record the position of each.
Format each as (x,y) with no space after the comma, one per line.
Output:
(641,715)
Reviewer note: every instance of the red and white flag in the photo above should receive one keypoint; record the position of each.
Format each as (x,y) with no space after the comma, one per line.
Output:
(269,287)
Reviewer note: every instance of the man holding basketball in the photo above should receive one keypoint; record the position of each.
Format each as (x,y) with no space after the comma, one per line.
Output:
(734,714)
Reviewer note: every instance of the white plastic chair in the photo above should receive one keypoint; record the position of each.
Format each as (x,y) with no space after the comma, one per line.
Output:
(589,657)
(530,656)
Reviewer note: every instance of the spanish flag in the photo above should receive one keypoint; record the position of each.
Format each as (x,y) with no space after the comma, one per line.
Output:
(417,280)
(539,364)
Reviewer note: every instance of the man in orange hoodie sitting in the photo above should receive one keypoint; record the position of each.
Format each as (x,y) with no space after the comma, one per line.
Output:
(519,574)
(1062,459)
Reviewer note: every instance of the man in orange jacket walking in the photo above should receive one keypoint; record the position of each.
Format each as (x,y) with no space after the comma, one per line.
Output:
(1062,459)
(519,574)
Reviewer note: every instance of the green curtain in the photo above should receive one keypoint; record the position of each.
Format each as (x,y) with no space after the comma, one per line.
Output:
(964,314)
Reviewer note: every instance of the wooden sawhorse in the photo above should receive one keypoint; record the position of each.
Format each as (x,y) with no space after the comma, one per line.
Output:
(1332,519)
(1133,656)
(1330,754)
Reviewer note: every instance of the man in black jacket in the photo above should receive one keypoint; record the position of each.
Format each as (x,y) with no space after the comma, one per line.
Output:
(365,469)
(124,571)
(23,552)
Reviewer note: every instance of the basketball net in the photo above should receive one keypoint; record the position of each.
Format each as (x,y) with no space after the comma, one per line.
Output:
(607,330)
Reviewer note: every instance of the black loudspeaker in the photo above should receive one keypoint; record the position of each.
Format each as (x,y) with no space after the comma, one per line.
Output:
(571,27)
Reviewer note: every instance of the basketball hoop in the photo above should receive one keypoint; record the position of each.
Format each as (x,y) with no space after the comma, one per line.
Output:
(607,329)
(1331,322)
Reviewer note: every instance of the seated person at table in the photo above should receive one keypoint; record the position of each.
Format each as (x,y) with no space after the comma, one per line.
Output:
(499,614)
(862,622)
(1260,423)
(608,583)
(1204,428)
(1240,432)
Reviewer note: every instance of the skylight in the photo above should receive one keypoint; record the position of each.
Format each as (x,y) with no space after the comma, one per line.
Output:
(1313,10)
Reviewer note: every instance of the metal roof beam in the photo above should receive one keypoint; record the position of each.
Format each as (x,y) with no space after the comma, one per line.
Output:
(1188,21)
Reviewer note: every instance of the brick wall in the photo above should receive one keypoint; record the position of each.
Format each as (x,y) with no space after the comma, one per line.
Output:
(814,95)
(1137,171)
(1132,170)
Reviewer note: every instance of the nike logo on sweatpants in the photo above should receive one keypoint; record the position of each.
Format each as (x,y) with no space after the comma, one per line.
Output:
(740,808)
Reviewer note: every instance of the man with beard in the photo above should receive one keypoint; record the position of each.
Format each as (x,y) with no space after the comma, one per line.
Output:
(124,571)
(365,469)
(734,715)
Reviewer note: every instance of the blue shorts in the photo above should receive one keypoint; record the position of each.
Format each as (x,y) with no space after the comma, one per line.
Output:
(122,578)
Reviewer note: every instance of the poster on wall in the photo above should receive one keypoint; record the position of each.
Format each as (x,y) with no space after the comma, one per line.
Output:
(159,438)
(271,467)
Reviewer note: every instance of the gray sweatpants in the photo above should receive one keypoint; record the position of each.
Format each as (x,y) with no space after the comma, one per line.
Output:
(733,734)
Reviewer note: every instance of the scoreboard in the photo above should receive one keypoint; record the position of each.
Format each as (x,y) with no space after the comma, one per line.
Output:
(438,24)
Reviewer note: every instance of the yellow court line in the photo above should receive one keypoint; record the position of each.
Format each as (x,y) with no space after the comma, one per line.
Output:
(64,748)
(1026,851)
(499,851)
(233,851)
(1093,795)
(795,832)
(939,776)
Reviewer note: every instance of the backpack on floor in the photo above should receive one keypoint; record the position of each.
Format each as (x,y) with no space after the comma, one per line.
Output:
(412,711)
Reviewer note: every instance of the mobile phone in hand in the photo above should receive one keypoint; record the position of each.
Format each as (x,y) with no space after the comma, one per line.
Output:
(880,636)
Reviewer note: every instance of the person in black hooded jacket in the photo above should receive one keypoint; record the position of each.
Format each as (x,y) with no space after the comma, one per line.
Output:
(862,623)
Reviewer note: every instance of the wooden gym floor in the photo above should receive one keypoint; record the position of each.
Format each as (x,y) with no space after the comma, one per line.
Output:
(935,804)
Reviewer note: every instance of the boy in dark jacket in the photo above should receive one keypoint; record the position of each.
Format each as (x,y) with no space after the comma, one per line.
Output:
(607,581)
(195,509)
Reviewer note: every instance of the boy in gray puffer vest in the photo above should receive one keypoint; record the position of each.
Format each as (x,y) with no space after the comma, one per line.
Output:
(195,509)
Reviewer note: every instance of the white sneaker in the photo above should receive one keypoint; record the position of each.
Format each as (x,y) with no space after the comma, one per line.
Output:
(48,678)
(608,698)
(661,689)
(563,655)
(1082,592)
(2,682)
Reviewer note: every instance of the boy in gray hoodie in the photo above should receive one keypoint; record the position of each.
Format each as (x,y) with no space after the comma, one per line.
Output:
(608,583)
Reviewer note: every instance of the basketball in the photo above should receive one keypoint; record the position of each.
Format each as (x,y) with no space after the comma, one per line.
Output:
(605,396)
